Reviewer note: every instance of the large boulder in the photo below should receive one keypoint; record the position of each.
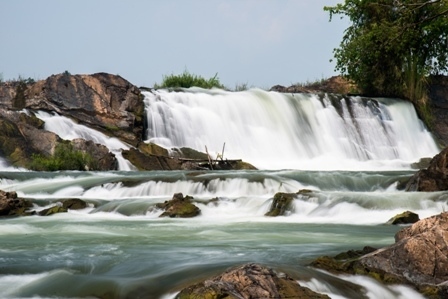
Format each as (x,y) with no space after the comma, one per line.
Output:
(433,178)
(11,205)
(419,257)
(249,281)
(179,207)
(102,101)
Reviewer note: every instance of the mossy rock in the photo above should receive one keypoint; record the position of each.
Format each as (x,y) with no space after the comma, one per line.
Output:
(406,217)
(153,149)
(179,207)
(281,204)
(32,120)
(52,210)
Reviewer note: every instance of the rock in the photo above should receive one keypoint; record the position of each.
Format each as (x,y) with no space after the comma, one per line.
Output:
(153,149)
(249,281)
(421,164)
(52,210)
(11,205)
(418,258)
(406,217)
(150,162)
(434,178)
(74,204)
(104,160)
(102,101)
(281,204)
(438,95)
(179,207)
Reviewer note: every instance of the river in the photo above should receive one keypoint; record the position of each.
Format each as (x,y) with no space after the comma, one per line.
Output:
(353,153)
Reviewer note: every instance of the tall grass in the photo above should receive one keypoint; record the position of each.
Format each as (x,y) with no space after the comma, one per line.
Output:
(187,80)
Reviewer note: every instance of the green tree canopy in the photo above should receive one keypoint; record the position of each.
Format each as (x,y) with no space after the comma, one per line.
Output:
(392,45)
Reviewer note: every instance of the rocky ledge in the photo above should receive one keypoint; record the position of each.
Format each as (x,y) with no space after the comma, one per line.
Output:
(419,257)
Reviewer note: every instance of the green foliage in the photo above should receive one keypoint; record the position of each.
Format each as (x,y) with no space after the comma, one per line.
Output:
(65,158)
(187,80)
(391,45)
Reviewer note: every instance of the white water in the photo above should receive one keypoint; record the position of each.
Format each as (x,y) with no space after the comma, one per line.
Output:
(69,130)
(283,131)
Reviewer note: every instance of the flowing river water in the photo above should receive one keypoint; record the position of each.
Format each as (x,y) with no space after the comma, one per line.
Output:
(353,153)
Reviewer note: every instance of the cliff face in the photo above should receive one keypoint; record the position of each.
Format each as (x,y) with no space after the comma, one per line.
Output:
(102,101)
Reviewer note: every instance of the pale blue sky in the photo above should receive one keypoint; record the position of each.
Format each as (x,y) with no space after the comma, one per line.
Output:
(258,42)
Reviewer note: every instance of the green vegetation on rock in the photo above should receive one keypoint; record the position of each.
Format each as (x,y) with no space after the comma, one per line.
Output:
(65,157)
(187,80)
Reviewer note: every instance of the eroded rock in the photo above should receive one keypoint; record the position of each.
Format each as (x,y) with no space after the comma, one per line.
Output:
(249,281)
(179,207)
(281,204)
(11,205)
(433,178)
(406,217)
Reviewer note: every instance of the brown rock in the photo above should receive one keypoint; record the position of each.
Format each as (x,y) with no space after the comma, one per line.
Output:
(249,281)
(104,160)
(419,255)
(434,178)
(11,205)
(74,204)
(103,101)
(281,203)
(179,207)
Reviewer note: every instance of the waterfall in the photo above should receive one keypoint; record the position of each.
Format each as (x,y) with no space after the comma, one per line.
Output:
(69,130)
(290,131)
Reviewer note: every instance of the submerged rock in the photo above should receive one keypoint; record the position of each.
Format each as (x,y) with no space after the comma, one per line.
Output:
(281,204)
(406,217)
(249,281)
(52,210)
(179,207)
(11,205)
(419,258)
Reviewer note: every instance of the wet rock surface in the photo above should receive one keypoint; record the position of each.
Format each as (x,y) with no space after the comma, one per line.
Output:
(249,281)
(179,207)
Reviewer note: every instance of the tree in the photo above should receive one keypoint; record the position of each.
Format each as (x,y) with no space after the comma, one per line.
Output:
(393,45)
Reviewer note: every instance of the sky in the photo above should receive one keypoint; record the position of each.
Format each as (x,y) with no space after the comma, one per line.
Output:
(259,43)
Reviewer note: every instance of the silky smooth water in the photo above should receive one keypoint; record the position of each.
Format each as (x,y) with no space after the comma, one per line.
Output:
(352,153)
(118,247)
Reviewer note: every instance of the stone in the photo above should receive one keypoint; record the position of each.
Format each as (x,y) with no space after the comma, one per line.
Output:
(179,207)
(406,217)
(11,205)
(74,204)
(281,204)
(249,281)
(103,158)
(433,178)
(52,210)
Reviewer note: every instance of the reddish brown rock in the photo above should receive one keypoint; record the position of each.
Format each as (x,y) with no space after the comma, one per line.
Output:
(249,281)
(11,205)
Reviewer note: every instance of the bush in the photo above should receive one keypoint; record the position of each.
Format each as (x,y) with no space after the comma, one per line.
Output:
(187,80)
(65,157)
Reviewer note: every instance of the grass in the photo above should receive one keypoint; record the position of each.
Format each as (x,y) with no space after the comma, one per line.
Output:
(65,157)
(187,80)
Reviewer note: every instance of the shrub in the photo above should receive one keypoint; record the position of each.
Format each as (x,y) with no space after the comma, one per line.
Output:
(65,157)
(187,80)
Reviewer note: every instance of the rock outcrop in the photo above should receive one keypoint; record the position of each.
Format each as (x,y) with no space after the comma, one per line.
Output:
(419,257)
(179,207)
(281,204)
(406,217)
(11,205)
(433,178)
(249,281)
